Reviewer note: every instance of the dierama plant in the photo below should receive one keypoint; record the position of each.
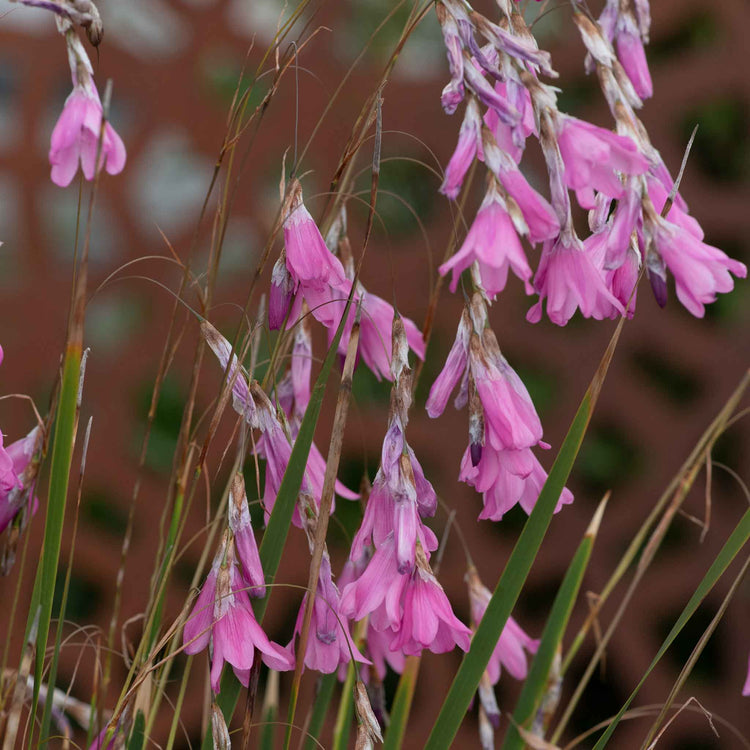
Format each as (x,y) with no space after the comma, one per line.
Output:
(387,607)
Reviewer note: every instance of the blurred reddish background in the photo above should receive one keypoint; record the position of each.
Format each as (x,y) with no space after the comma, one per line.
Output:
(174,66)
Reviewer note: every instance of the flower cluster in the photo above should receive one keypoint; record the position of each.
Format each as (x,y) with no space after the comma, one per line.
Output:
(222,615)
(503,424)
(308,272)
(618,176)
(407,607)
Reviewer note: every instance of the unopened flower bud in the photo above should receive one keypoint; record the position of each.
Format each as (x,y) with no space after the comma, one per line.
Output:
(280,294)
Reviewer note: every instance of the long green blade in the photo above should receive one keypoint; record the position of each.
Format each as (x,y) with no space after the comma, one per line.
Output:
(62,452)
(396,731)
(733,545)
(509,586)
(536,681)
(326,685)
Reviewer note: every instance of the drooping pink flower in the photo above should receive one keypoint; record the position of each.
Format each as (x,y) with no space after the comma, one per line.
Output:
(453,92)
(513,641)
(244,538)
(17,477)
(428,621)
(222,614)
(455,366)
(400,496)
(469,145)
(75,138)
(329,643)
(511,422)
(593,156)
(568,279)
(700,271)
(677,214)
(493,243)
(376,322)
(506,478)
(308,260)
(506,136)
(380,652)
(377,591)
(280,294)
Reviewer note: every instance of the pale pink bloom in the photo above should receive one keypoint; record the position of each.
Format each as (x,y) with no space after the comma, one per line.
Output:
(493,243)
(75,138)
(400,495)
(568,279)
(678,214)
(380,652)
(469,145)
(506,478)
(486,94)
(428,621)
(377,592)
(16,486)
(746,688)
(513,641)
(622,278)
(593,156)
(301,368)
(511,422)
(223,615)
(376,322)
(538,214)
(700,271)
(329,643)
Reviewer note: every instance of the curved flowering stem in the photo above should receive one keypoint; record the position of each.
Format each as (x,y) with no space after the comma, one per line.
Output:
(514,576)
(737,540)
(539,679)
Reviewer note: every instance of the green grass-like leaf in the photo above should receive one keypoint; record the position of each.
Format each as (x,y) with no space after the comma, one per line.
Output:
(401,708)
(62,453)
(732,546)
(536,681)
(320,709)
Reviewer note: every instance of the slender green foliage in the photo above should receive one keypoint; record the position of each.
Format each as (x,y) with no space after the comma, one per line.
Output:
(737,539)
(62,453)
(538,678)
(396,731)
(326,686)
